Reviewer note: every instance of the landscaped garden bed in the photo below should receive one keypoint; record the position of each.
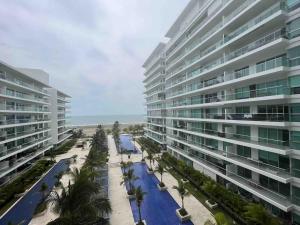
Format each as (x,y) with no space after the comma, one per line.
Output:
(183,214)
(12,191)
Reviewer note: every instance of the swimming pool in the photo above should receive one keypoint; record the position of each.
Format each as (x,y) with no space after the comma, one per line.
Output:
(158,208)
(126,143)
(22,211)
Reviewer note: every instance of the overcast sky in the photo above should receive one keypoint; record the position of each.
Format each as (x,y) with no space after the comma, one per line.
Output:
(92,49)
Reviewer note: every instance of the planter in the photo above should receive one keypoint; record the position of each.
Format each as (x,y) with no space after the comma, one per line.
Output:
(143,161)
(150,171)
(182,218)
(164,188)
(130,196)
(144,221)
(184,181)
(211,205)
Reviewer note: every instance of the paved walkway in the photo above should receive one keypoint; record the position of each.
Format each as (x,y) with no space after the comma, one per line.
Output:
(121,210)
(81,157)
(199,213)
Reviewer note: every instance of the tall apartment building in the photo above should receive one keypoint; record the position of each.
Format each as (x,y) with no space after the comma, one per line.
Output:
(25,119)
(59,109)
(232,88)
(155,95)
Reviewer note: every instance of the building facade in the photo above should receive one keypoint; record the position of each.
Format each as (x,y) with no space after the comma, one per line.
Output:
(25,119)
(155,95)
(232,97)
(59,108)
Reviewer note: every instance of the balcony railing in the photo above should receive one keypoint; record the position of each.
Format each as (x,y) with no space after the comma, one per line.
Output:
(230,56)
(243,137)
(19,121)
(8,136)
(23,96)
(4,76)
(24,145)
(21,108)
(251,184)
(262,92)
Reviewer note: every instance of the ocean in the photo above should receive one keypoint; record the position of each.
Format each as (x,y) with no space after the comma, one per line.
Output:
(106,119)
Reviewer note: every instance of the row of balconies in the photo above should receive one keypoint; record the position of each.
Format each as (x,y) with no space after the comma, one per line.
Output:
(6,136)
(31,142)
(272,117)
(20,121)
(7,77)
(244,28)
(230,56)
(226,171)
(268,65)
(20,108)
(262,92)
(23,96)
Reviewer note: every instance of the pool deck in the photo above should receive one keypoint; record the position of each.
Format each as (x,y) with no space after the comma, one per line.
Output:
(49,216)
(122,213)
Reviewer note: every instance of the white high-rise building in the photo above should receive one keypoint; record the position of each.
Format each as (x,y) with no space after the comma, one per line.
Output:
(232,96)
(26,118)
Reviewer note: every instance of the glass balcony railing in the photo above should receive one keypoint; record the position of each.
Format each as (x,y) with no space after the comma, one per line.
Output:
(266,14)
(243,137)
(263,92)
(10,150)
(23,96)
(19,121)
(8,136)
(253,22)
(261,67)
(281,172)
(22,108)
(4,76)
(230,56)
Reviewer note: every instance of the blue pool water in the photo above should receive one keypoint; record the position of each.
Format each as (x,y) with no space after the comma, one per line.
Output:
(158,208)
(126,143)
(22,211)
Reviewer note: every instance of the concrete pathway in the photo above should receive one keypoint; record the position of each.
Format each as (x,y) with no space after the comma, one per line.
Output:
(121,210)
(49,215)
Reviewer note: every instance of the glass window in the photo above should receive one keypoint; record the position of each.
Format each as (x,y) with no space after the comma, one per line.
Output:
(243,151)
(295,112)
(296,195)
(243,132)
(295,139)
(294,28)
(296,167)
(294,56)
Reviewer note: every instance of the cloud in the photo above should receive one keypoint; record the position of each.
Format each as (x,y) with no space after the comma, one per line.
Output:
(92,49)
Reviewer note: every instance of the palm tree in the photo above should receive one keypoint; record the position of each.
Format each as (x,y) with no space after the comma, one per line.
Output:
(126,165)
(139,197)
(143,149)
(43,190)
(221,219)
(257,214)
(150,157)
(182,192)
(160,169)
(129,177)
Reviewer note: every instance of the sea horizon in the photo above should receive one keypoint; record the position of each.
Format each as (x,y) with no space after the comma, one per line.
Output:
(90,120)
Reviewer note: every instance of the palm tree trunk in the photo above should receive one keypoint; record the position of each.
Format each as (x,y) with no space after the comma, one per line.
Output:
(182,203)
(140,215)
(161,178)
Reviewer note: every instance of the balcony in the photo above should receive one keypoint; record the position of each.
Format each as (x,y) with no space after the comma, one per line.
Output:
(283,175)
(21,96)
(252,95)
(10,79)
(21,161)
(24,109)
(273,66)
(22,121)
(229,57)
(7,152)
(18,135)
(277,146)
(252,186)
